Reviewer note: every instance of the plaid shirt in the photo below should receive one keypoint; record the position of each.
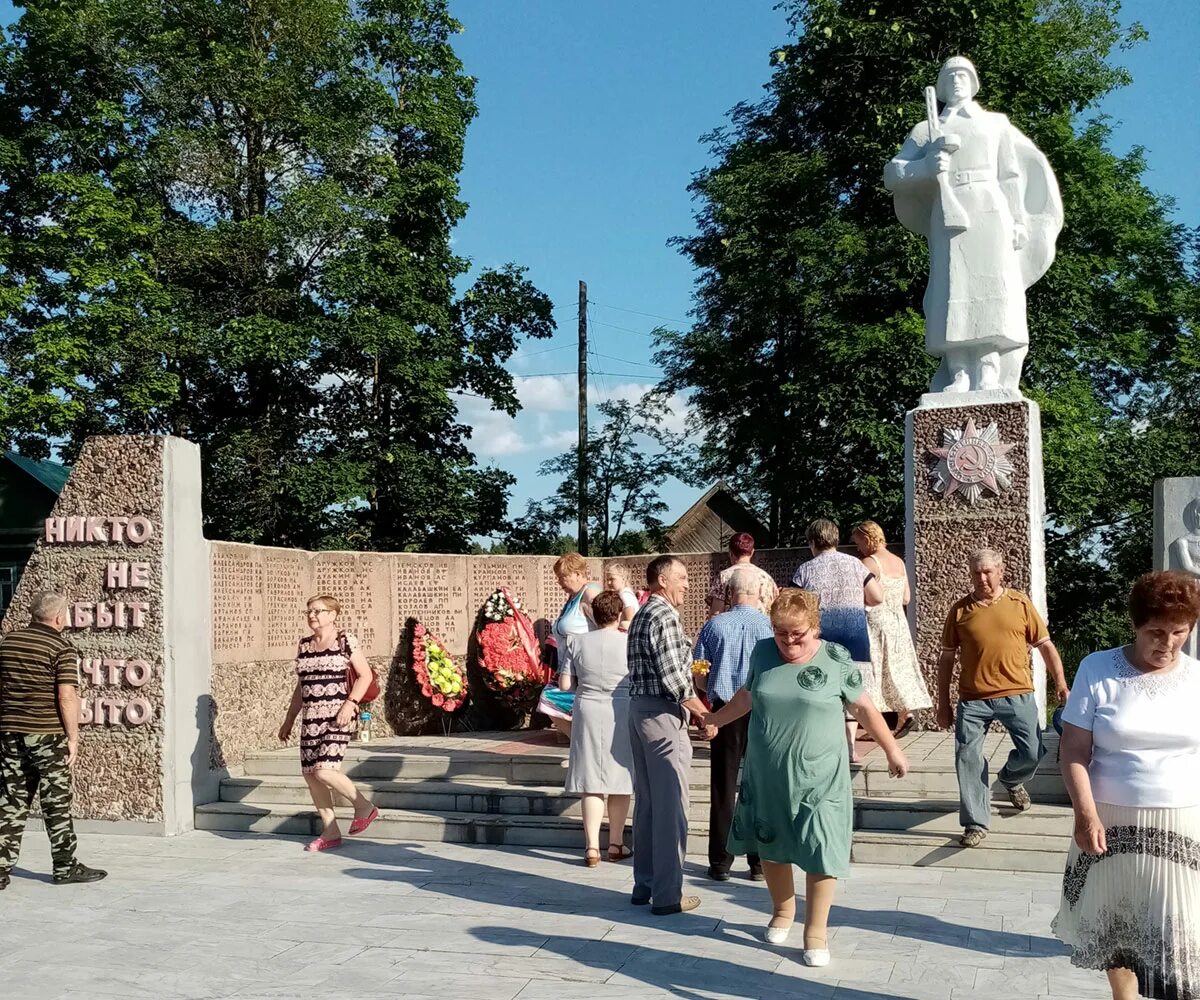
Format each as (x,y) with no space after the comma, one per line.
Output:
(659,654)
(726,641)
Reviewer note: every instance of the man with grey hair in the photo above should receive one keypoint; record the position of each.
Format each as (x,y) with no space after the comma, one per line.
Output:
(39,738)
(726,642)
(992,631)
(661,699)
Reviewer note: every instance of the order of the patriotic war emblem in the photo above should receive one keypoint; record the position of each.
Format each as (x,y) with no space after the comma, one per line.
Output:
(971,460)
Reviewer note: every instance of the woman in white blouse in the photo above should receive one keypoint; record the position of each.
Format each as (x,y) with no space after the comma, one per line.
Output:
(1130,758)
(616,579)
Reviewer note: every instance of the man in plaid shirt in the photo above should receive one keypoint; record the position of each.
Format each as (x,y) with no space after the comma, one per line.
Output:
(660,697)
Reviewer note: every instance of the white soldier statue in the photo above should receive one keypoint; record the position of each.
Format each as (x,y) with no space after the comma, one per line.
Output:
(986,200)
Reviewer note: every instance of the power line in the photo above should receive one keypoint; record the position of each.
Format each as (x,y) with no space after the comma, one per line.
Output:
(638,312)
(627,329)
(548,350)
(626,361)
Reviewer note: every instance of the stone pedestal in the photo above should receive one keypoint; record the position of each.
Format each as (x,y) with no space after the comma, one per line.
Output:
(1177,531)
(973,479)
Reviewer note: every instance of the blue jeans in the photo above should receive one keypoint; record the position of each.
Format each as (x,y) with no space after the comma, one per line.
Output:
(1016,713)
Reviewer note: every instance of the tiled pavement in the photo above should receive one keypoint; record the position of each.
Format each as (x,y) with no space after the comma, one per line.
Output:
(216,916)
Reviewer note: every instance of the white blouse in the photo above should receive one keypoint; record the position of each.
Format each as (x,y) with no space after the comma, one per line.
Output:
(1145,730)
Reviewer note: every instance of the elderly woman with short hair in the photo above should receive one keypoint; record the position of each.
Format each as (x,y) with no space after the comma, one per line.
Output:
(575,618)
(794,805)
(1130,757)
(601,756)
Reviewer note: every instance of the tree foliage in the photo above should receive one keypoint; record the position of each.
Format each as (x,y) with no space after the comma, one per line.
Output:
(630,457)
(807,279)
(232,221)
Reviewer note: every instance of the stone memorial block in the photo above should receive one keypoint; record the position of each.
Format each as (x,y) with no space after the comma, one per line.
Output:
(362,583)
(237,602)
(433,589)
(288,582)
(521,574)
(1177,531)
(124,545)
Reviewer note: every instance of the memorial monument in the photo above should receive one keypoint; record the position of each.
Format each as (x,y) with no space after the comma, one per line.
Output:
(987,202)
(1177,532)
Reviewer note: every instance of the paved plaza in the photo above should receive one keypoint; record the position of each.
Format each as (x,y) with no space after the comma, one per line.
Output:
(225,915)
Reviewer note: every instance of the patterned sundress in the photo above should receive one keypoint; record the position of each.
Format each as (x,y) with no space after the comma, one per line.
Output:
(894,681)
(322,675)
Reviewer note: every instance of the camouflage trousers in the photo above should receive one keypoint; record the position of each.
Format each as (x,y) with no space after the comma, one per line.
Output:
(35,763)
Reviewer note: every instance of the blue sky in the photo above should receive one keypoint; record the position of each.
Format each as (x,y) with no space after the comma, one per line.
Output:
(588,133)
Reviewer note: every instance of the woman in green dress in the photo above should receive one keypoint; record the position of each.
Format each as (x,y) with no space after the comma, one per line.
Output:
(794,805)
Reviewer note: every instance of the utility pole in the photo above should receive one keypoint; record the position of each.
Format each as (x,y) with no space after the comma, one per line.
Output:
(582,469)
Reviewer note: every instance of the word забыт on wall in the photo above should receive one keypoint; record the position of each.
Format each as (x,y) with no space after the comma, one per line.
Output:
(105,615)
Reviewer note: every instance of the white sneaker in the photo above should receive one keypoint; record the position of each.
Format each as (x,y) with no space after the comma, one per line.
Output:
(777,935)
(816,957)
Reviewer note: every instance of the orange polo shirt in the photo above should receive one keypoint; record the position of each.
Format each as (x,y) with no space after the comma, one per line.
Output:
(993,642)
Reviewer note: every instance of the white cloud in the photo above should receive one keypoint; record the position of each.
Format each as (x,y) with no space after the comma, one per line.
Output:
(552,393)
(546,426)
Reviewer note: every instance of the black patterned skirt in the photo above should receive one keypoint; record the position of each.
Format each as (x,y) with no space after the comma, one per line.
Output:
(1137,906)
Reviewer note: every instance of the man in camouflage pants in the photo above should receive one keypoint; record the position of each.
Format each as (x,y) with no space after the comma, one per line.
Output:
(39,738)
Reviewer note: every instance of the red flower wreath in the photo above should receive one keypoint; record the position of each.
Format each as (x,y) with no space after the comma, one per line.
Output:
(441,678)
(508,650)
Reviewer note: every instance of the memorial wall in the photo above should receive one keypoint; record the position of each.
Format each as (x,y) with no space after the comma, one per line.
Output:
(259,594)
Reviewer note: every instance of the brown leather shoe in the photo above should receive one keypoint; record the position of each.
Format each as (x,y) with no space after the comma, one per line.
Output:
(683,906)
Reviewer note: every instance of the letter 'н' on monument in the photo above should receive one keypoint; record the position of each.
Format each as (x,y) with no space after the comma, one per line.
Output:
(987,202)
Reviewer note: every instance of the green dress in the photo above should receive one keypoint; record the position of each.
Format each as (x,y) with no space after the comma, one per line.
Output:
(794,803)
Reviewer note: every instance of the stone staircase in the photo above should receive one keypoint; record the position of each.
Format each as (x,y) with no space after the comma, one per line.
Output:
(507,788)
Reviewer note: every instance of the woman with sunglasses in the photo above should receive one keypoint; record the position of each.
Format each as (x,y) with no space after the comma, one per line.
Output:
(328,706)
(794,805)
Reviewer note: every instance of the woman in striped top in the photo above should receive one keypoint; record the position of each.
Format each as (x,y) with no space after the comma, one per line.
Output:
(328,711)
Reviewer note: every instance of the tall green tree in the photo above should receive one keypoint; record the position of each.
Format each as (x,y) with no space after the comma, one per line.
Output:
(232,221)
(808,280)
(630,456)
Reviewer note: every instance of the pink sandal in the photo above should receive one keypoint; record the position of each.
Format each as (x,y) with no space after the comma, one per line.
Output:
(358,825)
(321,844)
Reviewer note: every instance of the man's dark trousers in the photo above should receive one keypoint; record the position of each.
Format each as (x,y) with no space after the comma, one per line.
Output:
(725,757)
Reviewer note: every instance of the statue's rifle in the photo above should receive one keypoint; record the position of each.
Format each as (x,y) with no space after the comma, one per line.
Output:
(953,214)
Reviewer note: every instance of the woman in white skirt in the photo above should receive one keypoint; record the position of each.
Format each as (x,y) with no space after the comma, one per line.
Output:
(1130,758)
(601,755)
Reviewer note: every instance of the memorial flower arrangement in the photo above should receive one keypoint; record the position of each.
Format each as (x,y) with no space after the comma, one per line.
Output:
(442,680)
(509,654)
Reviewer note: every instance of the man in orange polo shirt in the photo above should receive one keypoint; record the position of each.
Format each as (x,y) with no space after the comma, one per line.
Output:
(992,631)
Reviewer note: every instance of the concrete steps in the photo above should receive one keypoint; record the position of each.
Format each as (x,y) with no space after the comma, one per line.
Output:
(436,796)
(412,825)
(1000,852)
(436,791)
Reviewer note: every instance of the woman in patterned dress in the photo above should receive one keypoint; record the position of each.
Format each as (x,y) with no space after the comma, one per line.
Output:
(1130,756)
(328,711)
(894,680)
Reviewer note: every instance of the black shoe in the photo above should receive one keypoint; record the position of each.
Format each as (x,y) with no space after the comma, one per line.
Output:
(756,875)
(80,874)
(640,900)
(718,874)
